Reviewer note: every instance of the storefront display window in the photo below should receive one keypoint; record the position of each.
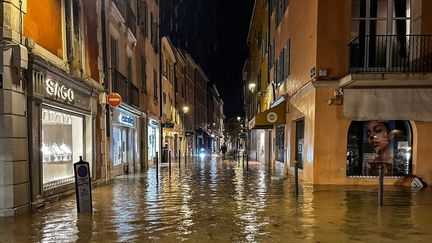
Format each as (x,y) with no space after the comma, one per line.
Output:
(62,144)
(372,143)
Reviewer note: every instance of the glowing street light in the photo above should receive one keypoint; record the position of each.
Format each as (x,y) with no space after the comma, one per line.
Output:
(252,87)
(238,118)
(185,109)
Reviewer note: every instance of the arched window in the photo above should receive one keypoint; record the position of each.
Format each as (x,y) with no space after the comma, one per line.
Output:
(371,143)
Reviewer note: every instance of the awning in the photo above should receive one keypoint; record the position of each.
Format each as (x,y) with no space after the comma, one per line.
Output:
(388,104)
(267,119)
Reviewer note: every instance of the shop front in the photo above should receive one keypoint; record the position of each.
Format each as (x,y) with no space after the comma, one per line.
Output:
(347,143)
(262,132)
(125,155)
(153,139)
(61,129)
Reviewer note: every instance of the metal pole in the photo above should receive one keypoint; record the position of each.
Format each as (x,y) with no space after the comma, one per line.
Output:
(179,157)
(381,185)
(247,162)
(296,177)
(157,167)
(169,162)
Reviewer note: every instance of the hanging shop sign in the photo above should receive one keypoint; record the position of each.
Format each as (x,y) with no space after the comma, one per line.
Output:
(59,91)
(114,99)
(272,117)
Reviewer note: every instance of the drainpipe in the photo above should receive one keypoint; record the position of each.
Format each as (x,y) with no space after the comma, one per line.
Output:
(160,83)
(106,84)
(269,12)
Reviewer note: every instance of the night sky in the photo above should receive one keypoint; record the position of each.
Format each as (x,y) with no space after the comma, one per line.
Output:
(215,33)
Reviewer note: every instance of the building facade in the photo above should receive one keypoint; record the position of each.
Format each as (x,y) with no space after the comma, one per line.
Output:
(50,88)
(339,69)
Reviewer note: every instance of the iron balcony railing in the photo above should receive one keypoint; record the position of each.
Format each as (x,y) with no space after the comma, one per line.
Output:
(391,53)
(127,90)
(124,7)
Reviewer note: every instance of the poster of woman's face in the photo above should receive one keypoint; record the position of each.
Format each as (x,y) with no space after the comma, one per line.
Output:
(375,143)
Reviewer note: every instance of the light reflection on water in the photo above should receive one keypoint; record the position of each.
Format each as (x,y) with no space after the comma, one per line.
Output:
(219,201)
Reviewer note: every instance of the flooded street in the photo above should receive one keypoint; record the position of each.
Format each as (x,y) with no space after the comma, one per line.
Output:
(219,201)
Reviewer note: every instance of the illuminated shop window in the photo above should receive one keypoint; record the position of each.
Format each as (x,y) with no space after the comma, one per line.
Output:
(371,143)
(62,144)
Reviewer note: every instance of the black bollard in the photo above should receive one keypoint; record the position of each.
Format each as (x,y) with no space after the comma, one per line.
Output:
(179,157)
(296,177)
(157,167)
(185,158)
(169,162)
(247,162)
(381,185)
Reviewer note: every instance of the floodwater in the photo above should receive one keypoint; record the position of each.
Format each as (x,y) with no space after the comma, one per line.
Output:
(219,201)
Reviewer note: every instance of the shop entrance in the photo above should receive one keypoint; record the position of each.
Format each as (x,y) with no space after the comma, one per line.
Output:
(124,150)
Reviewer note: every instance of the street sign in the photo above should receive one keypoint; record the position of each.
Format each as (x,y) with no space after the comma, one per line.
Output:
(189,133)
(168,125)
(114,99)
(83,186)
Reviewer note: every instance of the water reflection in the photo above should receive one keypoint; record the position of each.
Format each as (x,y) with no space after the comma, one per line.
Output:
(220,201)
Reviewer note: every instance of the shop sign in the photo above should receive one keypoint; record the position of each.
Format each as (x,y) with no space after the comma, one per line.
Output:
(168,125)
(251,123)
(126,120)
(59,91)
(83,186)
(189,133)
(153,123)
(272,117)
(114,99)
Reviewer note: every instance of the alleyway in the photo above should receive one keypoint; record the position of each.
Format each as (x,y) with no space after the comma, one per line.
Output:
(218,201)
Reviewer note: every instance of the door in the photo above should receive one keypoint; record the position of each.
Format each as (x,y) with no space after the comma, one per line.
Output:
(299,143)
(380,31)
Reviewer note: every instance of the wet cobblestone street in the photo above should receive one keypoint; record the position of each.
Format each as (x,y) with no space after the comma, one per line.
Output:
(219,201)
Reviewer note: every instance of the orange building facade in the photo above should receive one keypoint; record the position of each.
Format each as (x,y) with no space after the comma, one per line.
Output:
(340,68)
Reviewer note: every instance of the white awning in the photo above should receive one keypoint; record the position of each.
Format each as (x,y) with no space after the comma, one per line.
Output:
(388,104)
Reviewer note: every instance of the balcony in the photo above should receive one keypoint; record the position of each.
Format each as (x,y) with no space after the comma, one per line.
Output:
(127,90)
(391,54)
(126,11)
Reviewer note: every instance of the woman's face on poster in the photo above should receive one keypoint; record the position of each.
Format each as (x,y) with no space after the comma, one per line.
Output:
(378,135)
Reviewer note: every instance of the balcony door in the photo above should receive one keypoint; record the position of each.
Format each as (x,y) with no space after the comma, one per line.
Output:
(380,34)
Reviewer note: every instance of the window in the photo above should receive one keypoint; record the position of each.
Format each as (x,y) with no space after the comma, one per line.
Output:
(143,17)
(299,146)
(143,75)
(62,144)
(114,54)
(371,143)
(129,69)
(280,68)
(287,59)
(380,32)
(155,85)
(281,6)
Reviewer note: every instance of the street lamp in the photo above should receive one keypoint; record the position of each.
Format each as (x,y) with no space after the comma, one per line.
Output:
(252,87)
(185,111)
(238,118)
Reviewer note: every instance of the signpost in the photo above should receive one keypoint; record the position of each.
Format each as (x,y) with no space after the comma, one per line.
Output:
(83,186)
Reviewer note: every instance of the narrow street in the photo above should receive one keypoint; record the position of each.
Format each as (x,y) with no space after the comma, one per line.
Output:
(219,201)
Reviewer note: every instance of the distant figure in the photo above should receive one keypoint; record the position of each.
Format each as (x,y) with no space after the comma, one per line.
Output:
(223,149)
